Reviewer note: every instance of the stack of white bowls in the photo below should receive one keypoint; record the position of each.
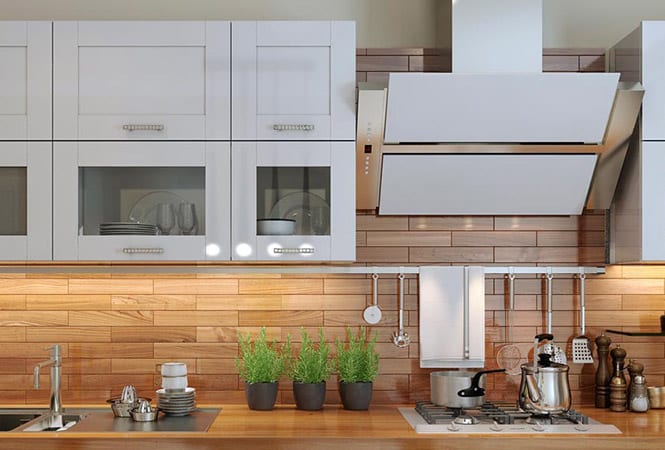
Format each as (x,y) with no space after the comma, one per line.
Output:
(174,376)
(175,398)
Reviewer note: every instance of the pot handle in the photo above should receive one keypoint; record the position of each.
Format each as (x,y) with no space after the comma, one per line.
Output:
(474,390)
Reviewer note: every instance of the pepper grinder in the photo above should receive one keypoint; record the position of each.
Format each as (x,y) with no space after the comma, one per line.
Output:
(603,372)
(618,395)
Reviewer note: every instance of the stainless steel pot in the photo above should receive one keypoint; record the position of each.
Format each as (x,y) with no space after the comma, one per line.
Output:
(544,388)
(458,389)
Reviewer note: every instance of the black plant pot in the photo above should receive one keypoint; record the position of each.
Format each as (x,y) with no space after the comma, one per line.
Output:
(356,396)
(261,396)
(309,396)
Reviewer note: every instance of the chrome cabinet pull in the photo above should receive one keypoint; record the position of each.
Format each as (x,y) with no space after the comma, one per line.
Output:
(131,250)
(295,250)
(293,127)
(143,127)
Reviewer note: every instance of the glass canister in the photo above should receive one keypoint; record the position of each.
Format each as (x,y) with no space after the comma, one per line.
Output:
(639,399)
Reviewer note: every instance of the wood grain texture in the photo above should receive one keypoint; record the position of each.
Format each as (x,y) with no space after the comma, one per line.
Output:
(68,334)
(111,318)
(168,351)
(196,318)
(382,255)
(152,302)
(109,286)
(153,334)
(470,223)
(12,301)
(280,318)
(387,63)
(196,286)
(33,318)
(68,302)
(493,238)
(304,286)
(407,239)
(238,302)
(475,255)
(33,286)
(561,63)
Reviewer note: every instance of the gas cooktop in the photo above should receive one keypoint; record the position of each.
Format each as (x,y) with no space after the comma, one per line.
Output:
(498,418)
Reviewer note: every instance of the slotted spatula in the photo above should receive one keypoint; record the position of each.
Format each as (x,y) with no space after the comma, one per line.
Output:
(582,344)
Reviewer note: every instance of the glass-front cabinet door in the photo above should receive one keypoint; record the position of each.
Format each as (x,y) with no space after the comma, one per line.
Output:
(25,201)
(141,80)
(293,80)
(293,201)
(25,80)
(141,201)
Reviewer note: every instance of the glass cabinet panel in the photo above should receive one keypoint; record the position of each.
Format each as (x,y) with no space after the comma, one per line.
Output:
(13,201)
(300,195)
(142,201)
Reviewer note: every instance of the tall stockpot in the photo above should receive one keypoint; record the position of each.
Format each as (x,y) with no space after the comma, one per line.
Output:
(459,388)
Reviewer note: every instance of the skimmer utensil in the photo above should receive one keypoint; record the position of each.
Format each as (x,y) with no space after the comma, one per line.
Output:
(582,344)
(372,314)
(509,356)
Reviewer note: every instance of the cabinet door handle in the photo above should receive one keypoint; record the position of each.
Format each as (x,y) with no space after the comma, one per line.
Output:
(142,250)
(293,250)
(143,127)
(293,127)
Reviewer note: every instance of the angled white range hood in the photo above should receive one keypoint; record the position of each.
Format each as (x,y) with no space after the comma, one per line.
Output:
(495,136)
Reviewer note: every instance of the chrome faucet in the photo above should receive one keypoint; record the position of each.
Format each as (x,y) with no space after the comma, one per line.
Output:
(55,402)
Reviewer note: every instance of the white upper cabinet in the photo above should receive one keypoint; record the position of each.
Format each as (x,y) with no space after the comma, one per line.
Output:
(157,201)
(25,201)
(141,80)
(293,201)
(25,81)
(293,80)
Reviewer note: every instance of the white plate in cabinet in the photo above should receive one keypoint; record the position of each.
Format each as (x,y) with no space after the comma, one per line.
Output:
(311,184)
(25,80)
(25,201)
(141,80)
(107,193)
(293,80)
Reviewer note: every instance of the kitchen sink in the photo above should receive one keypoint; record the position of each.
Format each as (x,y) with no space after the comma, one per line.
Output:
(100,420)
(14,418)
(59,422)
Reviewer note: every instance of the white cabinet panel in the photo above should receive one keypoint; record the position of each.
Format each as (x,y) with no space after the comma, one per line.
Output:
(309,184)
(149,183)
(653,80)
(449,336)
(293,80)
(25,80)
(25,201)
(142,80)
(653,201)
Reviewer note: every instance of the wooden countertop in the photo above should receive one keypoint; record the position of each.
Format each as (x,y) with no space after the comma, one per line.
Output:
(382,427)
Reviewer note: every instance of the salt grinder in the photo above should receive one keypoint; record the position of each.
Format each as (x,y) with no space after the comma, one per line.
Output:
(618,395)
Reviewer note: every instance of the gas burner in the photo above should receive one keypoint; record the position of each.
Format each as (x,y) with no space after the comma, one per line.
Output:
(539,420)
(498,418)
(465,419)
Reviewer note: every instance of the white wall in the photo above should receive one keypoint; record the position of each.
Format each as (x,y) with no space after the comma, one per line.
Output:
(594,23)
(380,23)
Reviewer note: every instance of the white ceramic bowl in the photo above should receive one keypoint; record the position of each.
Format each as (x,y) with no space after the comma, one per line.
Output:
(174,369)
(171,384)
(280,227)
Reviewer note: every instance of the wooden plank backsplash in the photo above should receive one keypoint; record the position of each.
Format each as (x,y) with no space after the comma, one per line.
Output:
(115,329)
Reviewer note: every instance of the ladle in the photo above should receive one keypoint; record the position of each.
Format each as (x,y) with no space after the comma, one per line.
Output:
(401,338)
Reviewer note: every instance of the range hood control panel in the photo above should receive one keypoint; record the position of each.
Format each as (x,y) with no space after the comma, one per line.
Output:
(371,114)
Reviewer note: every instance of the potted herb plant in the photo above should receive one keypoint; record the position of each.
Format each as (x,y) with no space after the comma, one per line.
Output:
(357,367)
(309,371)
(261,363)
